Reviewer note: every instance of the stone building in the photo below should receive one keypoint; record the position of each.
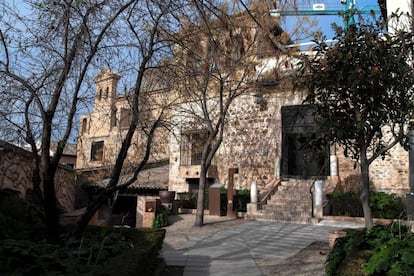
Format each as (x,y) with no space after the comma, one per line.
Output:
(262,139)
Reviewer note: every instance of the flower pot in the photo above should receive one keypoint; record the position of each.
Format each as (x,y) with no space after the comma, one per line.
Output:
(167,196)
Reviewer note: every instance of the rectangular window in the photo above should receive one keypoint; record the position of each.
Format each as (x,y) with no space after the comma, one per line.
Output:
(192,145)
(97,151)
(126,117)
(84,126)
(113,116)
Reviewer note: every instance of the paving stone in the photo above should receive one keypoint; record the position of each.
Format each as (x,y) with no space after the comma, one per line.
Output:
(230,251)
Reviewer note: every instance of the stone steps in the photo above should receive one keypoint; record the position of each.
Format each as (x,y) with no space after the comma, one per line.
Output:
(291,202)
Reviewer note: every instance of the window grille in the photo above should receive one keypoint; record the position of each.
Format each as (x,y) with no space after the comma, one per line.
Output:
(192,145)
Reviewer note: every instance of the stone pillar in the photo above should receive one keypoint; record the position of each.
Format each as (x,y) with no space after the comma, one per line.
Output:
(230,187)
(333,161)
(317,200)
(277,167)
(253,192)
(149,214)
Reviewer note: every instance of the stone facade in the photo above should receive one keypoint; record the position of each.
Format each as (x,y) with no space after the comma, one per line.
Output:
(253,142)
(101,132)
(255,137)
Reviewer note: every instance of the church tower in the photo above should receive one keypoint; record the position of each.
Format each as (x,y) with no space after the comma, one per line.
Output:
(106,86)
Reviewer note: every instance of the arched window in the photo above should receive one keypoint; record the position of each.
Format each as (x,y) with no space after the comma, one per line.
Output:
(100,94)
(107,92)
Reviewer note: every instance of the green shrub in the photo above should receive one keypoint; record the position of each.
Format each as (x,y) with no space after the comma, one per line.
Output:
(160,220)
(138,260)
(101,251)
(377,251)
(187,200)
(241,199)
(393,257)
(345,204)
(383,205)
(386,205)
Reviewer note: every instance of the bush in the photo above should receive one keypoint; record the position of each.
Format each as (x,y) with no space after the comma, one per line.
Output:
(345,204)
(386,205)
(187,200)
(160,220)
(101,251)
(383,205)
(380,250)
(241,199)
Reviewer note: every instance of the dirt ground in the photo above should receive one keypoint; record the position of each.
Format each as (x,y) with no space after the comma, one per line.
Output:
(309,261)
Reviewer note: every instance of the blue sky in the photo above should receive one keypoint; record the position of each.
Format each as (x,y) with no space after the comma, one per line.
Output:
(322,22)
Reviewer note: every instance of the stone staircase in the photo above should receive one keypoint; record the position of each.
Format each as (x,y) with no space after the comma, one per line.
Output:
(290,201)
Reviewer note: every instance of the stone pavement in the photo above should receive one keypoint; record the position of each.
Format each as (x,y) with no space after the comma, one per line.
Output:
(231,251)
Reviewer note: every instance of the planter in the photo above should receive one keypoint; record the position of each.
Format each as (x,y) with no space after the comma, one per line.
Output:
(333,235)
(167,196)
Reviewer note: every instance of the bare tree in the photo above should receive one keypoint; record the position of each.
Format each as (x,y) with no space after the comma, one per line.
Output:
(47,49)
(216,58)
(146,54)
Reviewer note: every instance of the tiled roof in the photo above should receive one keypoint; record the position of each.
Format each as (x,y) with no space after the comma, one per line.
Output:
(152,178)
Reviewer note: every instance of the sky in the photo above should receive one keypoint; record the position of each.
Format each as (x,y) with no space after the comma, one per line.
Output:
(323,22)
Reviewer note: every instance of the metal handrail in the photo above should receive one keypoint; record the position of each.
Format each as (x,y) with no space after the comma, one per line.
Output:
(269,192)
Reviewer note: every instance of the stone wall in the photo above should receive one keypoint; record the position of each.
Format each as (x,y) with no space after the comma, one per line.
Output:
(16,174)
(108,123)
(253,140)
(388,175)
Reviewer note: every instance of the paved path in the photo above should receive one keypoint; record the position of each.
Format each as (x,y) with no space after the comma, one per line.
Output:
(232,251)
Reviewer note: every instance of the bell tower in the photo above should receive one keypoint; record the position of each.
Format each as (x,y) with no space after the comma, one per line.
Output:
(106,85)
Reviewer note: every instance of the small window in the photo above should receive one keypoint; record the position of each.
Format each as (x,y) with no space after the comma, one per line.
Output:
(100,94)
(113,116)
(106,92)
(126,117)
(84,125)
(192,146)
(97,151)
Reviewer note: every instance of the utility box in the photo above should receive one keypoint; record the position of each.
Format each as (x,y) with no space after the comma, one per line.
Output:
(214,199)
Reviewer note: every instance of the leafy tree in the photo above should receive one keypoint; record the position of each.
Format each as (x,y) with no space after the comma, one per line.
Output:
(363,89)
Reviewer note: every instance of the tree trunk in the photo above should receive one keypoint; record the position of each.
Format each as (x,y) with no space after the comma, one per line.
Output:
(365,191)
(48,172)
(93,206)
(51,211)
(199,221)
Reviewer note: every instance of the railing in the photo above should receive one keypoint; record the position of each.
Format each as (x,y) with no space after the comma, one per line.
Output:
(268,193)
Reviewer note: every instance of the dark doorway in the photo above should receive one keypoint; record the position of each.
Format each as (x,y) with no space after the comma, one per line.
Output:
(125,210)
(298,124)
